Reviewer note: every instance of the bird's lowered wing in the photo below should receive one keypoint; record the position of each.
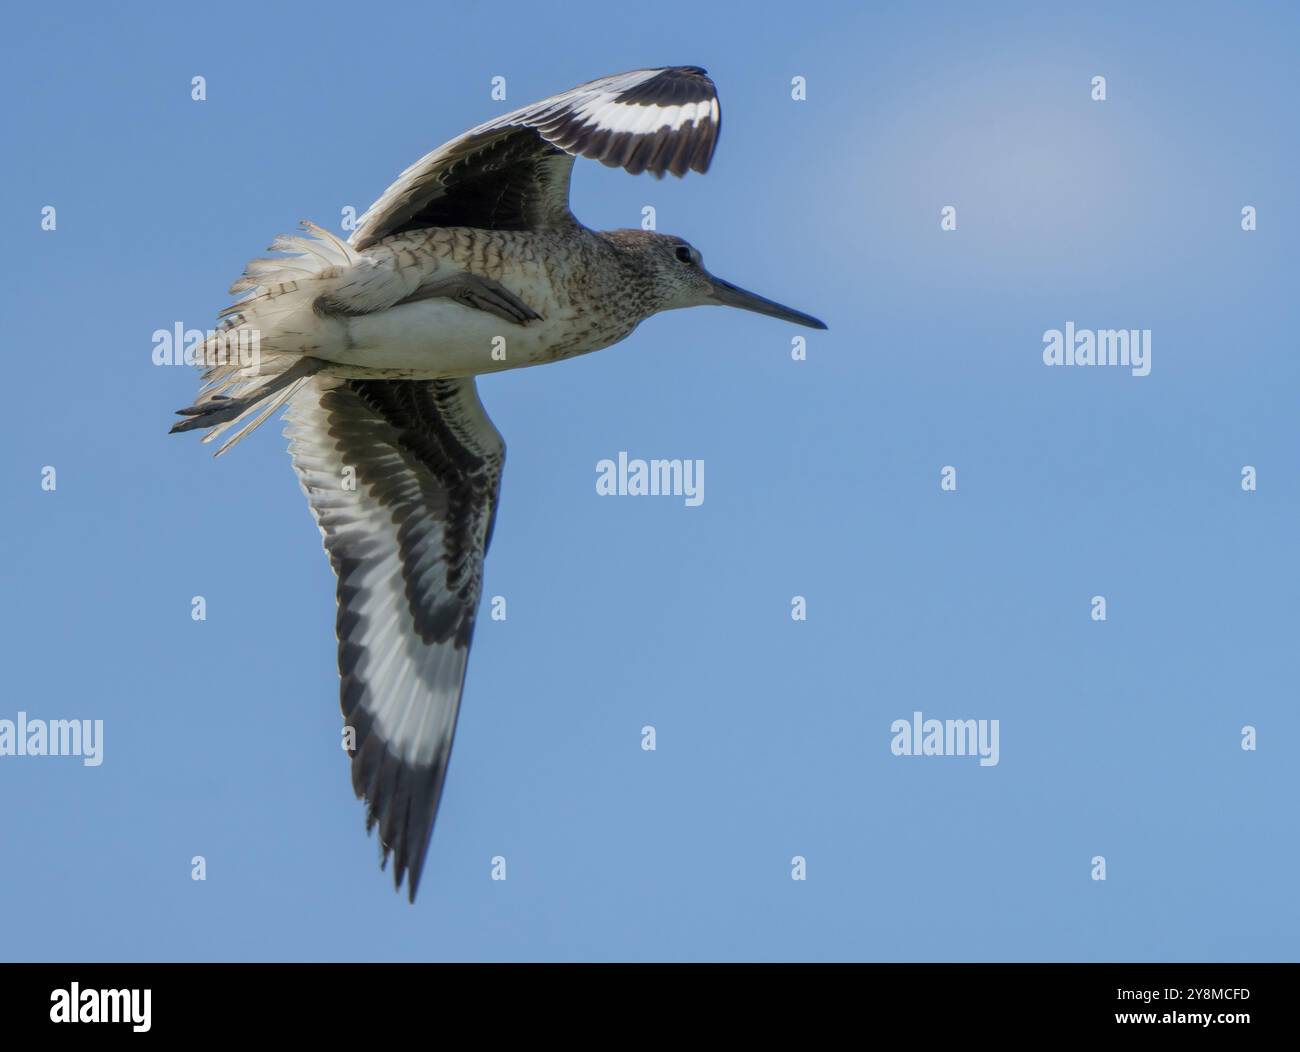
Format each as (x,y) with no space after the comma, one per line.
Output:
(512,173)
(402,477)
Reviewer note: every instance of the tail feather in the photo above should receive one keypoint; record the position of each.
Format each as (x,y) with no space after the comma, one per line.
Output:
(276,293)
(221,412)
(217,411)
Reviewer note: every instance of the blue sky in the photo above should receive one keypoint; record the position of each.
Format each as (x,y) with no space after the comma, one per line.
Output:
(1119,738)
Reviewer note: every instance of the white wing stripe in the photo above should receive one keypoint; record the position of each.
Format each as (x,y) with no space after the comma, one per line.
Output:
(593,120)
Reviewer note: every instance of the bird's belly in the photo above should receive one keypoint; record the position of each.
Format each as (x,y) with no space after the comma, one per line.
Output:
(442,338)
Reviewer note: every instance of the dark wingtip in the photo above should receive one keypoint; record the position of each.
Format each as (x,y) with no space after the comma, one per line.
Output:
(401,799)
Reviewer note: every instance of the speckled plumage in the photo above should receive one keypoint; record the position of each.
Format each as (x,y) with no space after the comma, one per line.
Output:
(591,288)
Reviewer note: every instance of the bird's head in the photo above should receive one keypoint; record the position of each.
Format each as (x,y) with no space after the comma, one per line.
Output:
(680,279)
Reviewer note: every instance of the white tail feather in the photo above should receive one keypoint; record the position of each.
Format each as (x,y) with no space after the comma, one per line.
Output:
(278,294)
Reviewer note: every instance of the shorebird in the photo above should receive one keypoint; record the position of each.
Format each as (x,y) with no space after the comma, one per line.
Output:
(471,262)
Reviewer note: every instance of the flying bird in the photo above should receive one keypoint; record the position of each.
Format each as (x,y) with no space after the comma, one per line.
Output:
(471,262)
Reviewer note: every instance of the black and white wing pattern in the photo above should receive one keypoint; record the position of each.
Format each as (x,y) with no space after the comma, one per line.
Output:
(512,173)
(402,477)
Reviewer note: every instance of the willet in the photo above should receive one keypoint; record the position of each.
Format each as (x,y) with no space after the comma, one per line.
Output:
(470,263)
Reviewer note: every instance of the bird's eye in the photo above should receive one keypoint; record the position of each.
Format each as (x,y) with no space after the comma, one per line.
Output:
(685,254)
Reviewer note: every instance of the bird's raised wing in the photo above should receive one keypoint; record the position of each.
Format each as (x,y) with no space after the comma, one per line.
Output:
(402,477)
(512,173)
